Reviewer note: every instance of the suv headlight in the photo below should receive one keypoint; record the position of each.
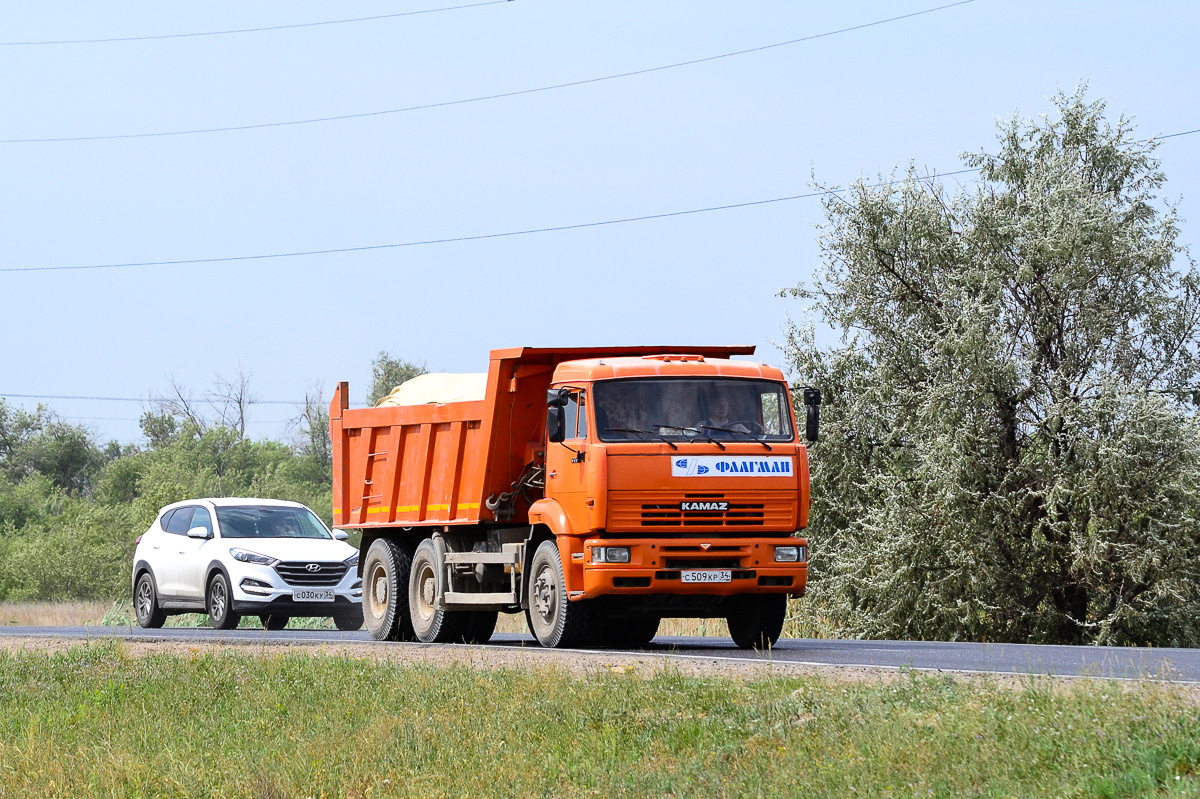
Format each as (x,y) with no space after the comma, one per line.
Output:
(352,560)
(610,554)
(246,556)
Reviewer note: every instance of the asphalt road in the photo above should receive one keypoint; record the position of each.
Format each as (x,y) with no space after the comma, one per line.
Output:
(1180,665)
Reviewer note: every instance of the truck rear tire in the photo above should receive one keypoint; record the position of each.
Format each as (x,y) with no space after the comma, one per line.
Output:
(480,626)
(554,620)
(431,625)
(385,591)
(756,622)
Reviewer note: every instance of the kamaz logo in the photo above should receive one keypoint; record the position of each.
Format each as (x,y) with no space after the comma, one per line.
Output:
(704,506)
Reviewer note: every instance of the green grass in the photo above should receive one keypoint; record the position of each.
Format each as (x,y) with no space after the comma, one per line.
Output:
(95,722)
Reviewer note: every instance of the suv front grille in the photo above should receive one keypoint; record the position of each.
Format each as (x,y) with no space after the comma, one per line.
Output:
(296,572)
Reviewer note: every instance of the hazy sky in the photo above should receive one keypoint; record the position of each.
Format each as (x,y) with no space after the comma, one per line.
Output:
(732,130)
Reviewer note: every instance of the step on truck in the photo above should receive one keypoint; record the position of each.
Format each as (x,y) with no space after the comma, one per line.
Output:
(597,490)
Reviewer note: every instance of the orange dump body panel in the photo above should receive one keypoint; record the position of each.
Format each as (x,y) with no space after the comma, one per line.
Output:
(439,464)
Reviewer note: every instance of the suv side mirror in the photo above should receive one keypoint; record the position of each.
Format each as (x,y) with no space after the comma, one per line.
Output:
(556,428)
(558,397)
(199,532)
(341,535)
(812,404)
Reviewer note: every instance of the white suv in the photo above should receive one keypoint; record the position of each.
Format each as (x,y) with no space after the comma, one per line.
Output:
(233,557)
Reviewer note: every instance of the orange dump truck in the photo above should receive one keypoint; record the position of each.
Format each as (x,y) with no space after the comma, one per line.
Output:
(596,489)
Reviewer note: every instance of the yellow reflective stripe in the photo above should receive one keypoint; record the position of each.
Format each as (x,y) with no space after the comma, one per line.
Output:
(413,508)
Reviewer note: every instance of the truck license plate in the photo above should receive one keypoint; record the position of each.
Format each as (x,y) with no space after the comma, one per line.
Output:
(311,595)
(715,576)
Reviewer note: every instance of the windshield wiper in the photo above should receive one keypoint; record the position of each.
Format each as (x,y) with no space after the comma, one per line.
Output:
(694,430)
(659,436)
(737,432)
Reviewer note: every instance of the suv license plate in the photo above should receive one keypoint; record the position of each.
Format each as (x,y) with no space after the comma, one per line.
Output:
(718,576)
(325,595)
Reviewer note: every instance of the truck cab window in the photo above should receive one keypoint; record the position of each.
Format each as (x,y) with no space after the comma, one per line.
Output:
(576,415)
(581,429)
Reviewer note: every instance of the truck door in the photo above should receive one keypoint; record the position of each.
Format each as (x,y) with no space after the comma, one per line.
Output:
(566,462)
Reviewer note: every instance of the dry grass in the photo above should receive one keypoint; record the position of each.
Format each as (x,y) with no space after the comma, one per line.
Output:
(52,614)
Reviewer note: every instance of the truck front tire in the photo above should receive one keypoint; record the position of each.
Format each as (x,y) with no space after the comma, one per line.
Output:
(756,622)
(385,591)
(553,619)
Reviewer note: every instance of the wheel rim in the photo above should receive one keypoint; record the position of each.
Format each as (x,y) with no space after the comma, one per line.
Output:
(545,598)
(145,602)
(426,583)
(377,597)
(217,608)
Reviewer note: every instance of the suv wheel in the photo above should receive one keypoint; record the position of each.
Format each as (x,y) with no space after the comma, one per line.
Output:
(145,603)
(220,604)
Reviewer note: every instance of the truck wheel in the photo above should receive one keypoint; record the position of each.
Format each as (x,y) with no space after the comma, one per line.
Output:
(480,626)
(630,632)
(145,603)
(755,622)
(553,619)
(349,620)
(385,591)
(431,625)
(274,621)
(220,604)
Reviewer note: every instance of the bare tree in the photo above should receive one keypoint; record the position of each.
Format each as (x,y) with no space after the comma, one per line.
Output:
(178,403)
(232,398)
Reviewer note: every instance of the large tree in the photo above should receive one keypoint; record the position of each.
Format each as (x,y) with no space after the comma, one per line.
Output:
(1009,448)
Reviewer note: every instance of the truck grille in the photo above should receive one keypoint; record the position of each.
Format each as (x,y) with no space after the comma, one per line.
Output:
(633,510)
(296,572)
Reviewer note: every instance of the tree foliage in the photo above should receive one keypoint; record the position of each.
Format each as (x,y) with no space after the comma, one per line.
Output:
(388,372)
(1009,448)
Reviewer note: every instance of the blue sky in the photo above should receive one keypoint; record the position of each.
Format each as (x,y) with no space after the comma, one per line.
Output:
(727,131)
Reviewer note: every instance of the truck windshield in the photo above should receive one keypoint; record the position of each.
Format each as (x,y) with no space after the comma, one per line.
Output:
(691,409)
(265,521)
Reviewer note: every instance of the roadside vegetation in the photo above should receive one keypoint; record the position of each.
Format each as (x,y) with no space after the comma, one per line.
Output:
(71,507)
(1010,447)
(95,721)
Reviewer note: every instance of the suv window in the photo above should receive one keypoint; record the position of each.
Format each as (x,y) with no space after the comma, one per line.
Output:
(166,519)
(201,518)
(180,521)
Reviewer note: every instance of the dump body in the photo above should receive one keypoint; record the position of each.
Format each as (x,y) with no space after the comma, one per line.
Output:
(438,464)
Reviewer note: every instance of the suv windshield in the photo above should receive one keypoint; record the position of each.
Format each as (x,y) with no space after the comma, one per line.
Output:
(688,409)
(265,521)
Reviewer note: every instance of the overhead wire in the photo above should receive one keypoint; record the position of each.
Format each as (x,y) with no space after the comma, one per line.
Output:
(485,236)
(482,98)
(252,30)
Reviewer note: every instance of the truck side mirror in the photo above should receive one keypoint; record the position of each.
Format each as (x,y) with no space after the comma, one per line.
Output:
(557,397)
(556,429)
(812,404)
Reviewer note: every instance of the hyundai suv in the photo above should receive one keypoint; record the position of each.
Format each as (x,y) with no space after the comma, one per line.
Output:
(233,557)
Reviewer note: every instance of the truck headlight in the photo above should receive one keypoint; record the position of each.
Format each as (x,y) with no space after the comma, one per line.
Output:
(787,554)
(610,554)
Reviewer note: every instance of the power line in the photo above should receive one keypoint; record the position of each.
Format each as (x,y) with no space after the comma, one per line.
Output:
(476,237)
(253,30)
(481,98)
(137,399)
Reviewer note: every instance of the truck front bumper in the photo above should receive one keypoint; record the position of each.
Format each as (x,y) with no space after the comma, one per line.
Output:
(658,566)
